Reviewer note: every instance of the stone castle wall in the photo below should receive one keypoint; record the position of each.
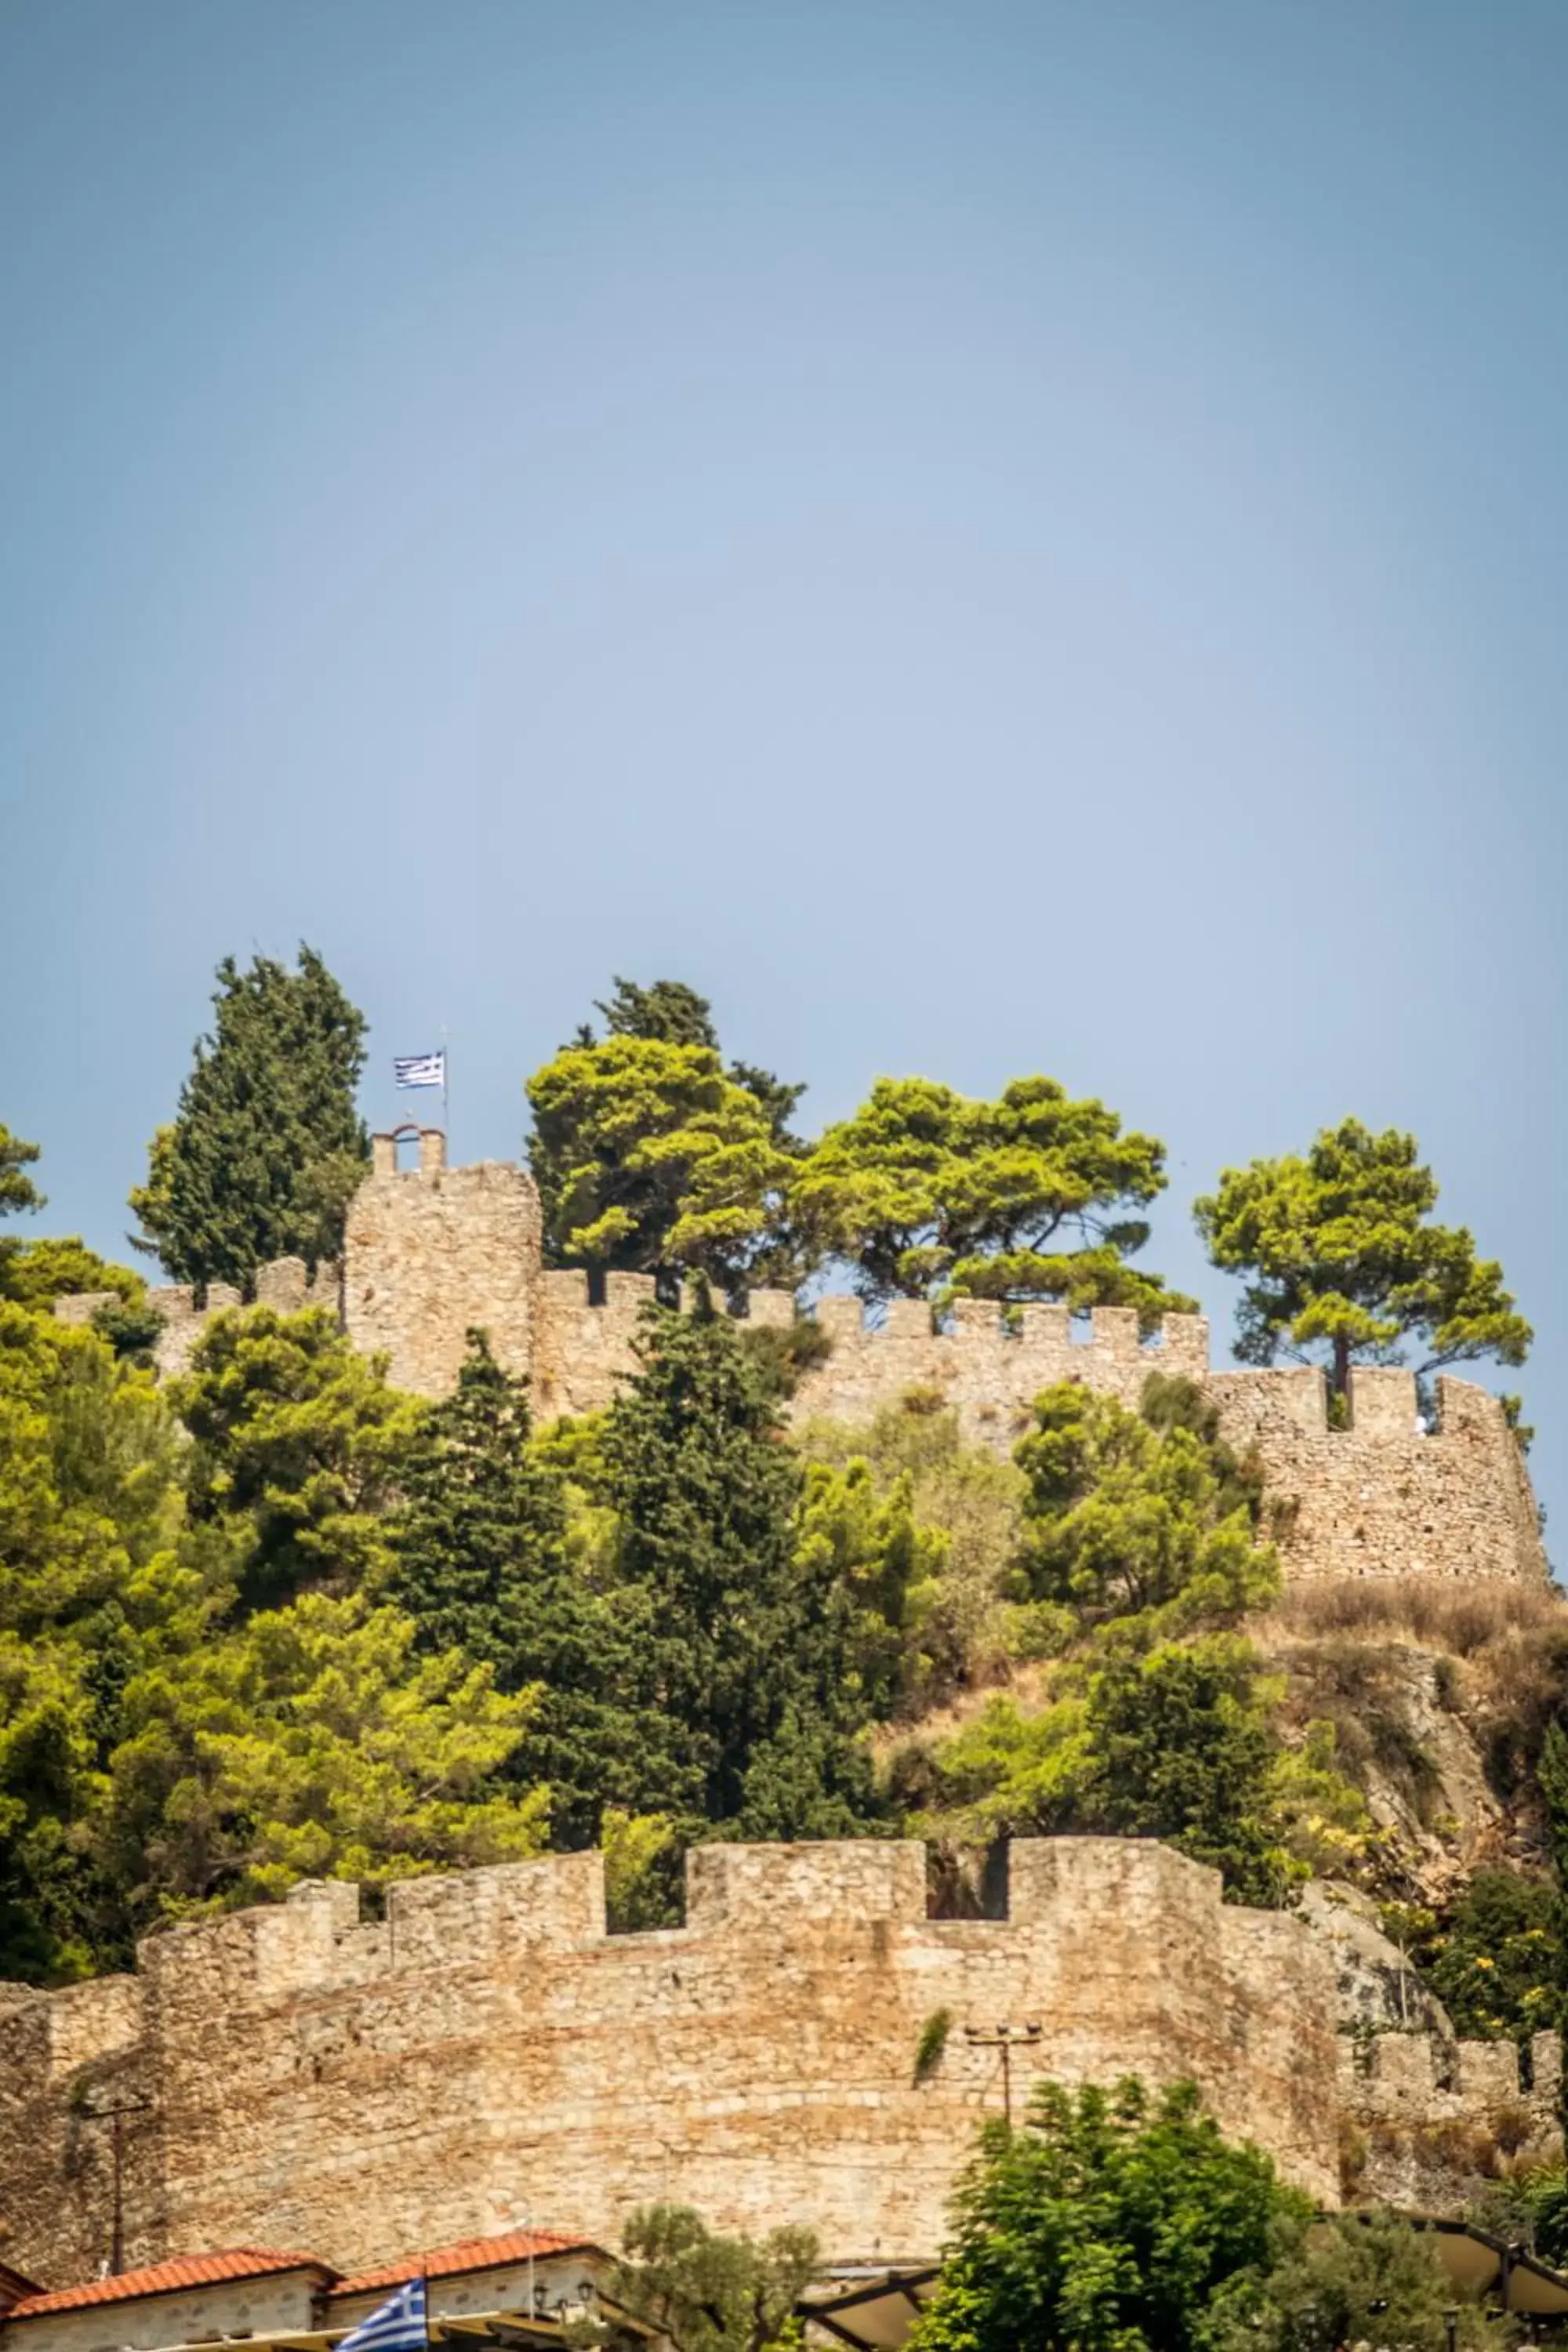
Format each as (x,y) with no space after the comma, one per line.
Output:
(433,1250)
(1385,1497)
(485,2048)
(1424,2120)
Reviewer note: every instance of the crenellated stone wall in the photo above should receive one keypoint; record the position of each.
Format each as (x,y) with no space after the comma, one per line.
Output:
(1424,2120)
(485,2048)
(431,1251)
(989,1365)
(1387,1496)
(288,1284)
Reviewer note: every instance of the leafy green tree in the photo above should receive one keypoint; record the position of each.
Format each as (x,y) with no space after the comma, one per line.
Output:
(1343,1257)
(299,1443)
(17,1190)
(313,1742)
(1176,1742)
(648,1158)
(483,1530)
(49,1795)
(864,1545)
(676,1015)
(709,2293)
(1134,1556)
(35,1274)
(1126,1515)
(18,1193)
(1535,2208)
(962,1516)
(643,1857)
(97,1580)
(1346,2279)
(1106,2225)
(925,1192)
(736,1662)
(484,1563)
(1494,1958)
(268,1149)
(87,1503)
(1180,1745)
(652,1155)
(1551,1775)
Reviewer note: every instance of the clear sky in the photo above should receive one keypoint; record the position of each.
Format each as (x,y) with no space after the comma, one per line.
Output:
(987,537)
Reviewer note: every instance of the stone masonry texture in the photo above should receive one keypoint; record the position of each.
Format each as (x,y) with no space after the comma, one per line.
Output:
(432,1251)
(360,2087)
(485,2048)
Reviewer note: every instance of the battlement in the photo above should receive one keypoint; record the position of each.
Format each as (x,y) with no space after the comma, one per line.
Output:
(1386,1495)
(432,1251)
(486,2032)
(288,1284)
(431,1143)
(987,1362)
(1427,2080)
(583,1348)
(1423,2117)
(318,1939)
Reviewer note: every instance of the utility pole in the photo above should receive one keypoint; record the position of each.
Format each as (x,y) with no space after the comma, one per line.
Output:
(1006,2039)
(114,2114)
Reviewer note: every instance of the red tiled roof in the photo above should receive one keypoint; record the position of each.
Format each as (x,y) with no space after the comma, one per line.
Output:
(163,2278)
(13,2285)
(468,2254)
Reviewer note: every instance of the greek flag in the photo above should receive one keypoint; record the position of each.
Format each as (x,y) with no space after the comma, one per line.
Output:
(420,1069)
(397,2326)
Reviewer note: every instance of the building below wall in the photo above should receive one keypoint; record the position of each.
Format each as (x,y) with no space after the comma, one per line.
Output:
(516,2289)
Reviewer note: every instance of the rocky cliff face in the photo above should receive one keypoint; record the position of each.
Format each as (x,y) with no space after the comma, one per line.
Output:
(1439,1696)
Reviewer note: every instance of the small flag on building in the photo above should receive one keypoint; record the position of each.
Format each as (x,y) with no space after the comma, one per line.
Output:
(420,1069)
(399,2325)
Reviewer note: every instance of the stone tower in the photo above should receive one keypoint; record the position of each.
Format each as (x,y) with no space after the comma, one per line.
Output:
(431,1251)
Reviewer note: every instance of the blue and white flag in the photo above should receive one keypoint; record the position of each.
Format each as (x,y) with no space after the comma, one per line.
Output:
(399,2325)
(420,1069)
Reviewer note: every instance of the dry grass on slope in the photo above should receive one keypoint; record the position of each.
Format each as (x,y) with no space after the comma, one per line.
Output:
(1511,1639)
(1434,1614)
(1439,1694)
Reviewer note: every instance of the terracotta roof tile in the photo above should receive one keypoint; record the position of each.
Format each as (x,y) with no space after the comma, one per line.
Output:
(468,2254)
(165,2278)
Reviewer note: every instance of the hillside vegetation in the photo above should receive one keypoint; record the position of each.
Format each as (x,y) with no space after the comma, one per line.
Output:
(273,1618)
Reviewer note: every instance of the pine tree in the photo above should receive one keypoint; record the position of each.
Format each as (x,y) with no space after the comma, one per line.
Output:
(928,1193)
(651,1154)
(486,1523)
(1346,1266)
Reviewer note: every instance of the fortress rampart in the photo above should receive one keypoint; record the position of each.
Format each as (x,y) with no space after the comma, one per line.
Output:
(432,1250)
(485,2048)
(317,2078)
(1423,2119)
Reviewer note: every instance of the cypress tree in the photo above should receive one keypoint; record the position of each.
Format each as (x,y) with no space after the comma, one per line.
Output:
(267,1148)
(483,1565)
(741,1654)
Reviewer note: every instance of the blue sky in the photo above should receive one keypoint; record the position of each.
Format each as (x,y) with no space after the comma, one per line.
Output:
(987,537)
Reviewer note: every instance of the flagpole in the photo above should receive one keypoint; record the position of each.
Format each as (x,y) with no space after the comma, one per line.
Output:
(445,1064)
